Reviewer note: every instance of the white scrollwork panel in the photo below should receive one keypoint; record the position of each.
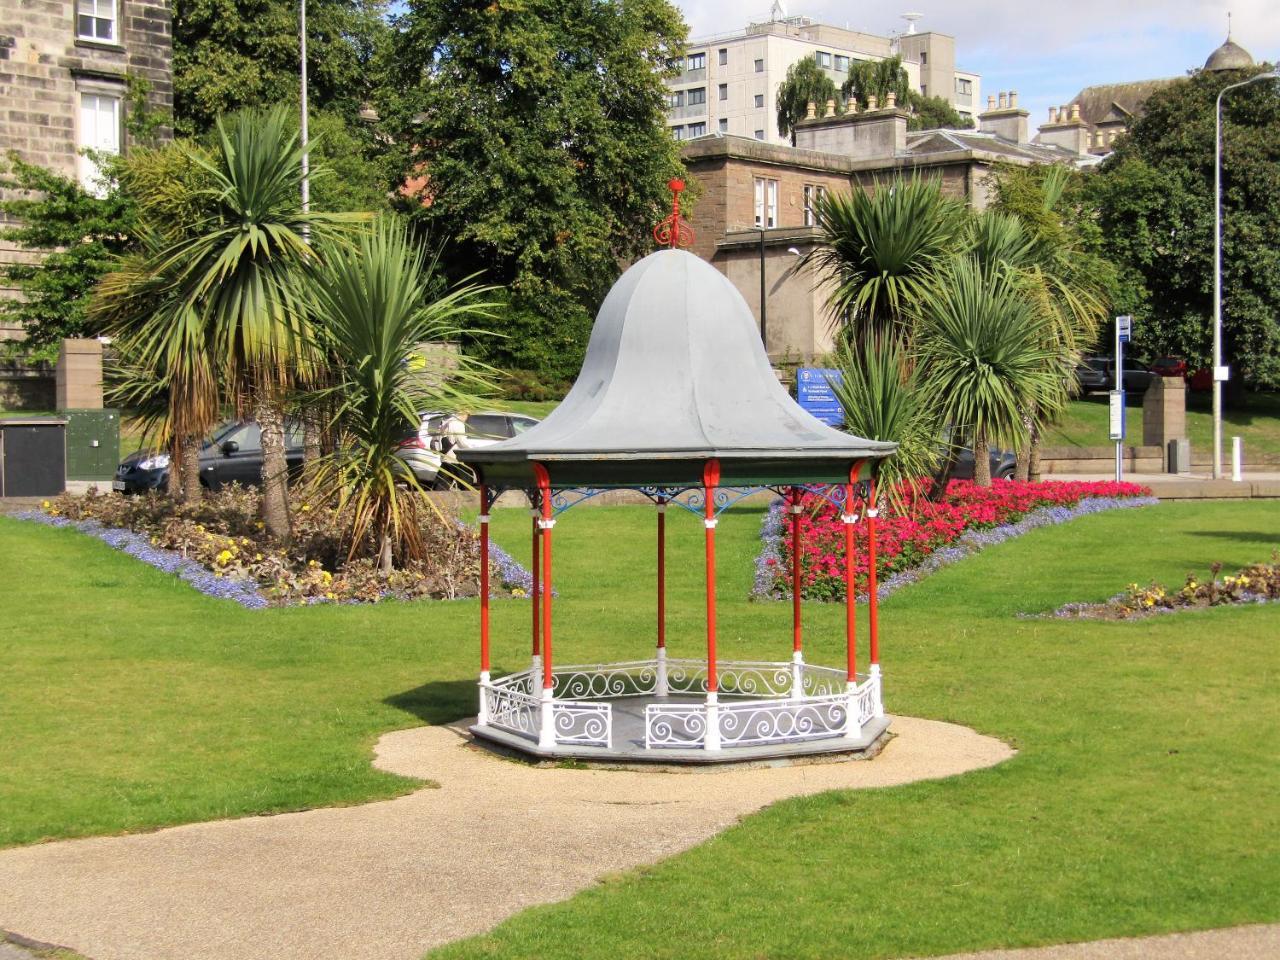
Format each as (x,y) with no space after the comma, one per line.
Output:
(589,724)
(675,725)
(783,721)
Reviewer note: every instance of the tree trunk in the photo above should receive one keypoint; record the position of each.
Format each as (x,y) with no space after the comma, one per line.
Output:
(275,469)
(177,469)
(311,434)
(191,490)
(1033,467)
(385,565)
(981,459)
(1022,469)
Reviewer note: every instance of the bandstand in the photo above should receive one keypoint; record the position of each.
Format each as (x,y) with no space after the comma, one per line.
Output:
(677,400)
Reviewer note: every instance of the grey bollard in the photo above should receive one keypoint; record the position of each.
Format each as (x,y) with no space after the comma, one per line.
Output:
(1179,456)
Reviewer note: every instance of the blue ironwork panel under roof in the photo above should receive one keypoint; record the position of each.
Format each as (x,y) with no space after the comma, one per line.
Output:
(675,375)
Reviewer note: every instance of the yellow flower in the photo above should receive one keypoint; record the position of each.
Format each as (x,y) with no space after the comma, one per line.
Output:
(257,556)
(306,507)
(313,563)
(259,524)
(46,504)
(326,575)
(224,557)
(331,595)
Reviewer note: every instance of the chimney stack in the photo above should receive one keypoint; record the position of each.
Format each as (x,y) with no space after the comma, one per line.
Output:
(1075,112)
(831,107)
(851,105)
(1004,100)
(1013,99)
(991,102)
(1053,114)
(810,110)
(1004,119)
(890,100)
(1066,130)
(871,101)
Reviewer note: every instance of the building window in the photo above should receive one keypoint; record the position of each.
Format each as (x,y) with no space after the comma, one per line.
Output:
(823,58)
(724,125)
(697,96)
(759,100)
(677,133)
(842,63)
(99,131)
(964,86)
(723,56)
(697,130)
(724,91)
(813,192)
(676,64)
(675,99)
(759,134)
(924,58)
(96,19)
(759,66)
(697,61)
(766,203)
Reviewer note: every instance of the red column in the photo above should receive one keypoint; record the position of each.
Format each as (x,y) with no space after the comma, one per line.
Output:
(873,600)
(484,579)
(795,570)
(710,481)
(536,590)
(544,490)
(662,573)
(850,589)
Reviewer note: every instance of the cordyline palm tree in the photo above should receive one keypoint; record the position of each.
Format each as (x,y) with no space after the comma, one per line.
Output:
(881,250)
(882,398)
(372,308)
(236,276)
(982,358)
(1068,303)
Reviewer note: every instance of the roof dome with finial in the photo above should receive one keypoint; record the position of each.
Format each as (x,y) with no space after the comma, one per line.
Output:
(1229,56)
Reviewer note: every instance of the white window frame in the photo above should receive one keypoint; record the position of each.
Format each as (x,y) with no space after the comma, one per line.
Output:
(93,132)
(759,134)
(766,196)
(839,66)
(812,193)
(98,11)
(724,125)
(677,132)
(698,129)
(823,57)
(697,61)
(697,96)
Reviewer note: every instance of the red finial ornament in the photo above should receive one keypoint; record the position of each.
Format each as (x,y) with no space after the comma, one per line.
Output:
(672,231)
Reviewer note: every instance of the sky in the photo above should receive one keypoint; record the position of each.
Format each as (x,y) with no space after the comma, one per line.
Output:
(1047,52)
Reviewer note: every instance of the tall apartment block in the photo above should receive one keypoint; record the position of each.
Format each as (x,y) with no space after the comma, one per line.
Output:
(64,71)
(729,83)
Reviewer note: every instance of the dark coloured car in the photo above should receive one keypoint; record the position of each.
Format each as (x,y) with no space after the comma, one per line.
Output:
(1169,367)
(1098,374)
(232,455)
(1003,465)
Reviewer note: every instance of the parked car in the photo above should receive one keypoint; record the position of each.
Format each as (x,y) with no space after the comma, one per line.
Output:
(1098,374)
(233,454)
(1169,367)
(420,449)
(1003,464)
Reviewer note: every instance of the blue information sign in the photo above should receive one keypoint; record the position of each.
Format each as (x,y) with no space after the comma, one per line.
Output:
(815,394)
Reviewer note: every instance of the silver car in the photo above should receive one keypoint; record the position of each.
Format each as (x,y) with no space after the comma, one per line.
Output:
(422,449)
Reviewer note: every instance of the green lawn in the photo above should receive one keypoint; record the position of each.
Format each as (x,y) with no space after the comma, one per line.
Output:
(1255,418)
(1142,800)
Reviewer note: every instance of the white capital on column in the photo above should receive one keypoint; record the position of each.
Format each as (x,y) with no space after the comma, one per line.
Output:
(660,687)
(482,718)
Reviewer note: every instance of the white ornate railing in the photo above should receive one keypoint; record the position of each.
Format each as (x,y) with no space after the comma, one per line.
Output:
(589,724)
(783,721)
(761,706)
(510,706)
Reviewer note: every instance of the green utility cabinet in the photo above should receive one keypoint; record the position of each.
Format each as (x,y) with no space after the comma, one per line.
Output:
(93,443)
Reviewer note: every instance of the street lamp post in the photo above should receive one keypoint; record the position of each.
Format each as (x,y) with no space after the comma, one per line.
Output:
(1217,266)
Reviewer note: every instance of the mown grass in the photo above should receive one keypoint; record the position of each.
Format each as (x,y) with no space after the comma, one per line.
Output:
(1142,799)
(1255,418)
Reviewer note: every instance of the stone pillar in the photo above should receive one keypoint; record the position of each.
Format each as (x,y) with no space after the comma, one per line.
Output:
(1164,414)
(79,375)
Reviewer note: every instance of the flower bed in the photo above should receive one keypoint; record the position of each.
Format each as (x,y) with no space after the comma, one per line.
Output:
(924,535)
(220,547)
(1259,583)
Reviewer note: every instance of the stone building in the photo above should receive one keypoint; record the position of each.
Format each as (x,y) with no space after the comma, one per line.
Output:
(754,213)
(65,66)
(729,83)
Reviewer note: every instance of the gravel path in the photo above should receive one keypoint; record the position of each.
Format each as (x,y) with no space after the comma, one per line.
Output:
(1260,942)
(392,879)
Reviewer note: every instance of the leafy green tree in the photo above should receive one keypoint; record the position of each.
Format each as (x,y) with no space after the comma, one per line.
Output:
(229,54)
(1154,203)
(879,78)
(82,233)
(534,136)
(806,83)
(881,250)
(373,303)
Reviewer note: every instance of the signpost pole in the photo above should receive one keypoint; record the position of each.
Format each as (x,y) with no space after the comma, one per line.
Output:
(1124,328)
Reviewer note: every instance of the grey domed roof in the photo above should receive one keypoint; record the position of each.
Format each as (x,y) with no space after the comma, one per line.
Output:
(675,375)
(1229,56)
